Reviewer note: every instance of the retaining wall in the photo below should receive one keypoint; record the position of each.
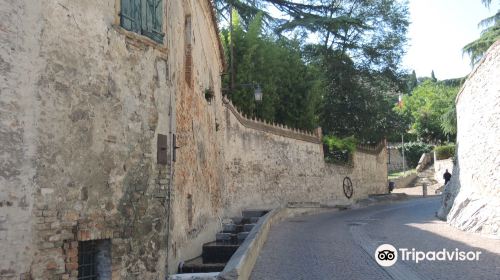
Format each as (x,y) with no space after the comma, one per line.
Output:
(269,166)
(472,200)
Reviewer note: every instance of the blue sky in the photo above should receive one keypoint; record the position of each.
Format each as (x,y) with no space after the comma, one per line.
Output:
(439,30)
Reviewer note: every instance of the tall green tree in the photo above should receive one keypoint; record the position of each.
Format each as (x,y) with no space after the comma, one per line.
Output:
(356,54)
(412,81)
(433,76)
(274,63)
(489,35)
(431,108)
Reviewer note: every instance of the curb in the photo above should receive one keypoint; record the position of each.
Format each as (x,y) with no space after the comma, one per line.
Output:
(241,264)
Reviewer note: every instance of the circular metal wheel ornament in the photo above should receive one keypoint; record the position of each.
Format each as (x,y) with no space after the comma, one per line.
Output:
(348,189)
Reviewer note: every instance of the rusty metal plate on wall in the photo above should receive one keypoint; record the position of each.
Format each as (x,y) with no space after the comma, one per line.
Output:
(162,148)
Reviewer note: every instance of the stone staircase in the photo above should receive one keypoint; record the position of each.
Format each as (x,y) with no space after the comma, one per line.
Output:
(426,177)
(217,253)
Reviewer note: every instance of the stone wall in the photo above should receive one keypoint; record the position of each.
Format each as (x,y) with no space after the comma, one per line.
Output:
(82,105)
(198,171)
(267,169)
(425,160)
(440,167)
(82,102)
(405,181)
(395,159)
(472,199)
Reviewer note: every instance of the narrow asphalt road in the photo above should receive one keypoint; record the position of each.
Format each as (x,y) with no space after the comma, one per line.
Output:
(341,245)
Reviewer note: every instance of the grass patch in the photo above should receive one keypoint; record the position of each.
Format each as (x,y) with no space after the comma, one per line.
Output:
(397,174)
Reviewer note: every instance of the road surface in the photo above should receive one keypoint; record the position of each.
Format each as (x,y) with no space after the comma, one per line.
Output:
(341,245)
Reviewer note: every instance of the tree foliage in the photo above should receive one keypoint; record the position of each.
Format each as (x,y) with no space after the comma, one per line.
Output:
(413,151)
(275,63)
(431,109)
(341,69)
(489,35)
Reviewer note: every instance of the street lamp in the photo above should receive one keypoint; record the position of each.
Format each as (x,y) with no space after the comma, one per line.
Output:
(258,93)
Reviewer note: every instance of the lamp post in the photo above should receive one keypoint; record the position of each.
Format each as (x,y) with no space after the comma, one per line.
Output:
(258,93)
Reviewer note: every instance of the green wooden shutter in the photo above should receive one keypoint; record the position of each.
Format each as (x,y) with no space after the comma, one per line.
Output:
(130,15)
(152,19)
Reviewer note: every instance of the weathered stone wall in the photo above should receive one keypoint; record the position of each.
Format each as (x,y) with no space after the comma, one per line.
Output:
(405,181)
(266,169)
(82,102)
(473,195)
(440,167)
(199,174)
(81,106)
(395,159)
(19,64)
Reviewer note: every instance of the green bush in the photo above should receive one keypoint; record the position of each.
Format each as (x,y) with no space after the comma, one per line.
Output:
(444,152)
(338,150)
(413,152)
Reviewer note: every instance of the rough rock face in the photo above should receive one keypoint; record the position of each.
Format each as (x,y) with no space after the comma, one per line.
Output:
(471,200)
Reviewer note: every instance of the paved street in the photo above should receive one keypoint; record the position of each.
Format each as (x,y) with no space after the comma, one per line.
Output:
(341,245)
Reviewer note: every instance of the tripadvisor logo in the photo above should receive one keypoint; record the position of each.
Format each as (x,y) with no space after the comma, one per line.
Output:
(387,255)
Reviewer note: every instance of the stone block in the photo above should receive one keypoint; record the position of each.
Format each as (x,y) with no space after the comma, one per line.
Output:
(55,237)
(46,245)
(72,266)
(223,236)
(248,227)
(242,236)
(49,213)
(50,219)
(83,235)
(237,220)
(229,227)
(51,265)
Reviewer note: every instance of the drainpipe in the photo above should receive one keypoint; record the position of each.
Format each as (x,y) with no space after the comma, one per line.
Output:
(170,183)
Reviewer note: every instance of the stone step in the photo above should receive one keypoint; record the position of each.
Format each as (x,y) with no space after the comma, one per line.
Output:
(197,266)
(242,220)
(248,227)
(242,236)
(232,228)
(231,238)
(249,213)
(218,252)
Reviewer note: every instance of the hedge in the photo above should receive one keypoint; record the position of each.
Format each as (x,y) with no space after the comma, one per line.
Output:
(413,152)
(338,150)
(445,152)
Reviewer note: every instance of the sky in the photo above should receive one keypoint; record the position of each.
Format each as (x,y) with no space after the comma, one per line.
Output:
(439,29)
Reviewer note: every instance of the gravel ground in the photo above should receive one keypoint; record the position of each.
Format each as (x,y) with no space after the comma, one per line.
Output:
(333,245)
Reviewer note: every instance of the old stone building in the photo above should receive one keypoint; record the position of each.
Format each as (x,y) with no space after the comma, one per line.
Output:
(119,155)
(472,198)
(87,117)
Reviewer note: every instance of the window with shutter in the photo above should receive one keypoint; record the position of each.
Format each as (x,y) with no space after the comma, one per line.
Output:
(144,17)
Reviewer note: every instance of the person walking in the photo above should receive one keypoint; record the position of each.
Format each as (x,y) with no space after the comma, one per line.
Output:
(446,177)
